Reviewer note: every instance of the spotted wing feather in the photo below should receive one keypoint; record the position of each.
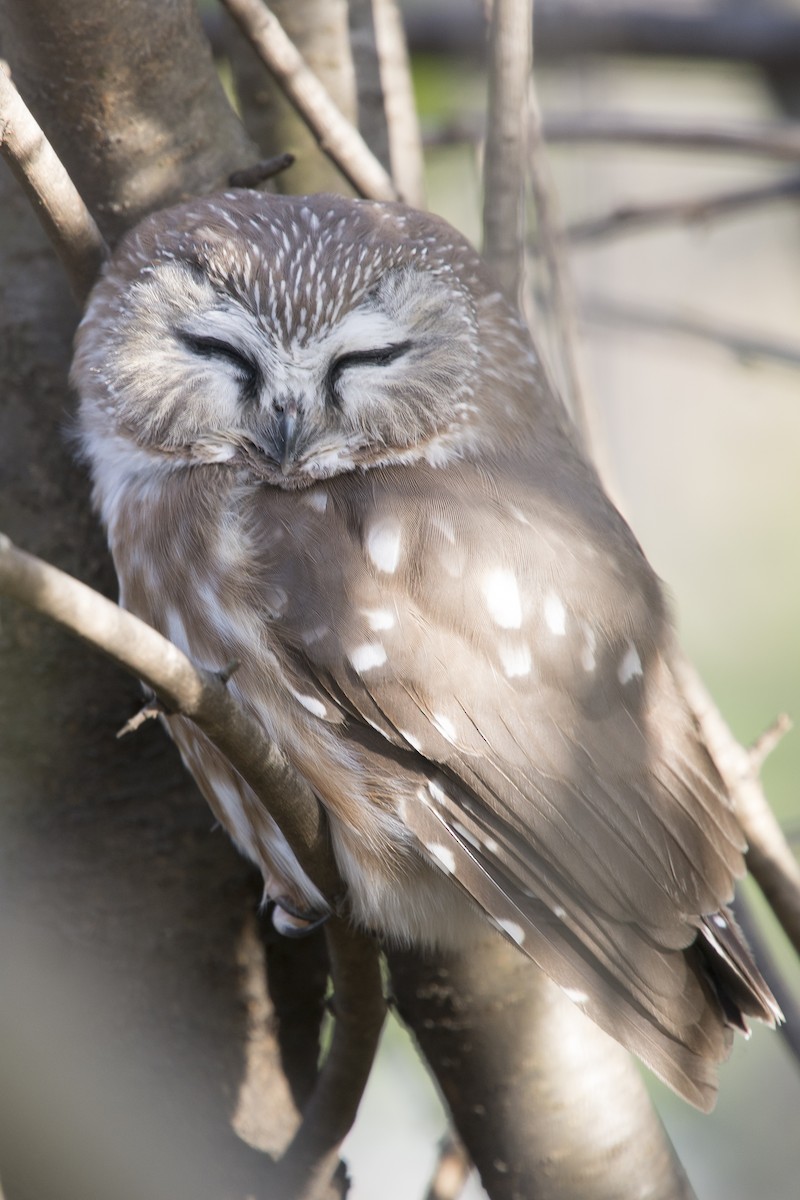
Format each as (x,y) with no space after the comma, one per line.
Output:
(569,794)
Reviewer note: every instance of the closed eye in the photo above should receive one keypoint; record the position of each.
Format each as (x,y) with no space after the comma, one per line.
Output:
(361,358)
(248,371)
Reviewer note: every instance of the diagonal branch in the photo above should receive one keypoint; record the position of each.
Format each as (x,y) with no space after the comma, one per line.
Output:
(510,59)
(63,215)
(202,696)
(340,140)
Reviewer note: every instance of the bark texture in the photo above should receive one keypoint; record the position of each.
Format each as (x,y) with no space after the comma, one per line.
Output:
(133,1015)
(547,1104)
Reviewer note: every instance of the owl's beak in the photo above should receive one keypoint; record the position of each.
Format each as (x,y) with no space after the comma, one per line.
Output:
(288,433)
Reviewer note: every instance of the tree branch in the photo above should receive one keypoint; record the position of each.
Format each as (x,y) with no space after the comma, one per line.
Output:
(336,136)
(510,56)
(53,196)
(359,1010)
(405,142)
(202,696)
(779,140)
(552,239)
(769,858)
(747,347)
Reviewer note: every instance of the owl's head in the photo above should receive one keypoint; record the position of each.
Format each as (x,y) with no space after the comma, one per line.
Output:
(296,336)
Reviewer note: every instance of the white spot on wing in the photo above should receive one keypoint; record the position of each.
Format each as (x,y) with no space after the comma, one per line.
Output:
(311,703)
(379,618)
(514,931)
(501,592)
(368,656)
(413,741)
(575,995)
(436,792)
(444,857)
(445,726)
(516,659)
(555,614)
(630,665)
(383,544)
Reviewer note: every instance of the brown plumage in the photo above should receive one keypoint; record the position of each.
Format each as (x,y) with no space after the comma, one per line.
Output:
(323,445)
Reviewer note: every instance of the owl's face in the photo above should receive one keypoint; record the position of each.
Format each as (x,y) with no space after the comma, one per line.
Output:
(299,337)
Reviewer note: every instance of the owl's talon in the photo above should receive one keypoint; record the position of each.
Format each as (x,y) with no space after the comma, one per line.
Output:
(294,922)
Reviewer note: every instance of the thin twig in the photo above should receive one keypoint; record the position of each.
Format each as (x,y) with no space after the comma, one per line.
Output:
(776,140)
(359,1010)
(62,213)
(453,1169)
(340,140)
(551,238)
(630,218)
(510,57)
(260,172)
(769,858)
(149,712)
(764,745)
(748,348)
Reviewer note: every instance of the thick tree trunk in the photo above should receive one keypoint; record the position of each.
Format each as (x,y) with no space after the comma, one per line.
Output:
(138,1023)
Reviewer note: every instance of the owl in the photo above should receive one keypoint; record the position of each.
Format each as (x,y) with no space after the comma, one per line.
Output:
(324,446)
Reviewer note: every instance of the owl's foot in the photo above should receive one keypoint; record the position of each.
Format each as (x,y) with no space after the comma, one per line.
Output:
(295,922)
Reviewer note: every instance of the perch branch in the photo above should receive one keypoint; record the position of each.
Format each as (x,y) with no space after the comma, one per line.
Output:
(340,140)
(747,347)
(180,687)
(202,696)
(630,218)
(769,858)
(359,1010)
(510,58)
(63,215)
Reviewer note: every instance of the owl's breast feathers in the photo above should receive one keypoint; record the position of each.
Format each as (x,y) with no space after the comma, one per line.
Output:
(484,664)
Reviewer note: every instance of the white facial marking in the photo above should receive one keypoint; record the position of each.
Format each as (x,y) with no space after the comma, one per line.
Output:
(514,931)
(630,665)
(575,995)
(555,614)
(588,659)
(367,657)
(516,659)
(311,703)
(501,593)
(445,726)
(444,857)
(383,544)
(378,618)
(317,499)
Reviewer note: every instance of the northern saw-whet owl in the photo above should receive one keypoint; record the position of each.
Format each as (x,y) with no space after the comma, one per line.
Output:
(323,445)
